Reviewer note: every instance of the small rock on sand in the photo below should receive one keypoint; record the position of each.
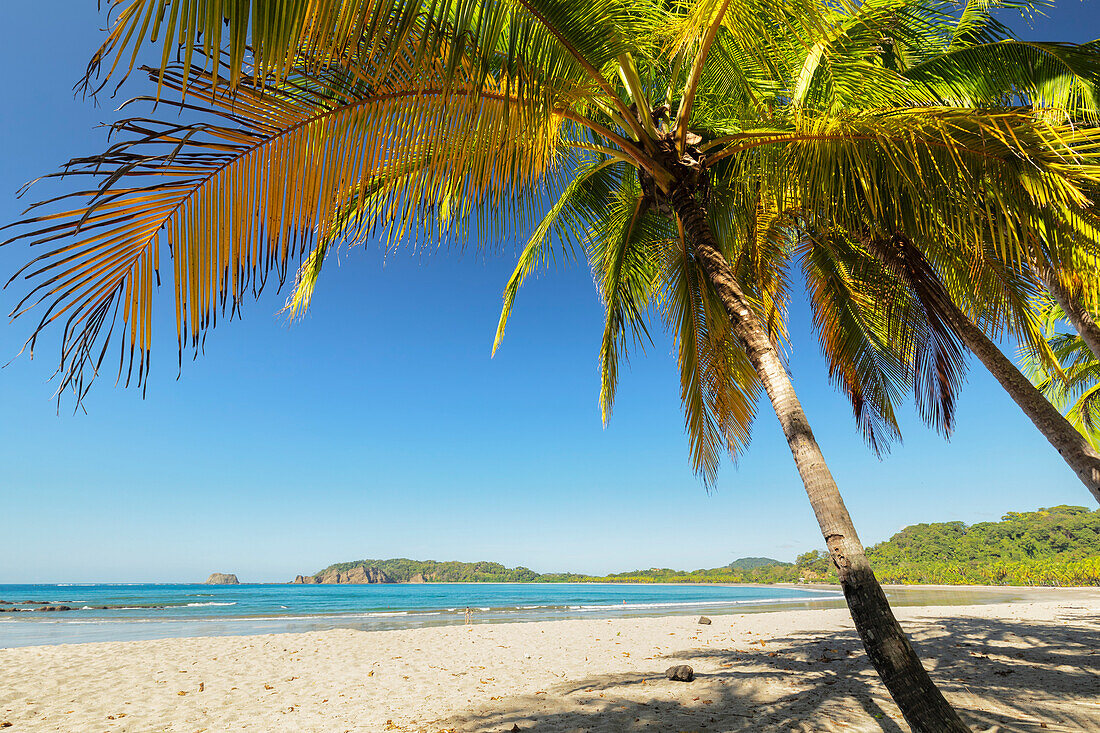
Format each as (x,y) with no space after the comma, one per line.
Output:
(704,620)
(680,673)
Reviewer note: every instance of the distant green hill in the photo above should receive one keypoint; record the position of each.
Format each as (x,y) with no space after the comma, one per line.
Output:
(1055,546)
(751,563)
(403,570)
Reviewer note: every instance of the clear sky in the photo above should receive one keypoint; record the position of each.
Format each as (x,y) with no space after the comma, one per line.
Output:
(380,427)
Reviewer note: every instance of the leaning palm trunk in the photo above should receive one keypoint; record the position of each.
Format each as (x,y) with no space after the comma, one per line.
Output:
(1073,447)
(890,651)
(900,255)
(1076,313)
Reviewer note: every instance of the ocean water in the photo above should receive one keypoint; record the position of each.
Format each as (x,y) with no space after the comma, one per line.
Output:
(163,611)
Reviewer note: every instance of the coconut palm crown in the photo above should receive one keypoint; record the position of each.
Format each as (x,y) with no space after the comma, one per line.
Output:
(807,128)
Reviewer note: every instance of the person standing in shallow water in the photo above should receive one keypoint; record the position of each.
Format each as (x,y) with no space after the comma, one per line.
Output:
(469,615)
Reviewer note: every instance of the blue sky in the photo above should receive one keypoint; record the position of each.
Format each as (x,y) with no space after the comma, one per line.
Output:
(379,426)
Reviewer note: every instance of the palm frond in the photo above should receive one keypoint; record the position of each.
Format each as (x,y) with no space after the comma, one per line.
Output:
(274,32)
(1074,386)
(245,194)
(625,254)
(718,386)
(586,199)
(923,322)
(929,170)
(1059,77)
(862,358)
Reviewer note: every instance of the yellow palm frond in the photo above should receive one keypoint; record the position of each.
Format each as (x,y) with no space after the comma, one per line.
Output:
(246,194)
(275,33)
(718,386)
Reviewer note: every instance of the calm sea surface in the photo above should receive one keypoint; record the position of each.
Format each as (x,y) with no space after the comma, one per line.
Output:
(160,611)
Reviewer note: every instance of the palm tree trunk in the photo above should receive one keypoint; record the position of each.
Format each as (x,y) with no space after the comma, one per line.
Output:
(904,258)
(889,650)
(1078,316)
(1074,449)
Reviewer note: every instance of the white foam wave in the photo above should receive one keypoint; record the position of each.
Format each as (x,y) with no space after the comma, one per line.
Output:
(680,604)
(210,603)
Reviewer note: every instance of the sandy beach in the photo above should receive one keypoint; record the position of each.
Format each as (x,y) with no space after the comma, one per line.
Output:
(1028,665)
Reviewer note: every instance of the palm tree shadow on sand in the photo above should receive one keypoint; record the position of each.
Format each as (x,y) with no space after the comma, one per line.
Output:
(1000,675)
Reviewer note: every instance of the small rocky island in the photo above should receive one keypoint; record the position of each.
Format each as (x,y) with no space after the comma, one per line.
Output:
(222,579)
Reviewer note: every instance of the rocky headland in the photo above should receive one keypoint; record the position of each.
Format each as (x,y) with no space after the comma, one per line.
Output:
(360,574)
(222,579)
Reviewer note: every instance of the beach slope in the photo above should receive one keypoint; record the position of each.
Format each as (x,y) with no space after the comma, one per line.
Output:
(1026,666)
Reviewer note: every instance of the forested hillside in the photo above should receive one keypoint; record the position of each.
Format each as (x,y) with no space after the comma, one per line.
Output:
(1054,546)
(403,570)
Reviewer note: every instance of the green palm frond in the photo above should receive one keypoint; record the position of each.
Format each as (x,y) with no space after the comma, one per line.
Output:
(978,25)
(761,259)
(718,387)
(1074,388)
(918,311)
(875,170)
(625,255)
(585,200)
(1059,77)
(862,359)
(306,280)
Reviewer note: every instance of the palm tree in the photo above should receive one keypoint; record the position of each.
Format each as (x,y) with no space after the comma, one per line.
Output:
(993,286)
(1074,387)
(1068,291)
(984,285)
(720,134)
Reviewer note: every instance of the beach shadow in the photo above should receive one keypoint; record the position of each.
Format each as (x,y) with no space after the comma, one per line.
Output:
(1001,675)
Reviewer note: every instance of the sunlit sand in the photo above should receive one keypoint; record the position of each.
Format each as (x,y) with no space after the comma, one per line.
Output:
(1009,666)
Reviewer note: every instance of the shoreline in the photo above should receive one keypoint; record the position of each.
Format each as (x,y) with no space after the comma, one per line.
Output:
(228,619)
(1014,665)
(823,586)
(912,596)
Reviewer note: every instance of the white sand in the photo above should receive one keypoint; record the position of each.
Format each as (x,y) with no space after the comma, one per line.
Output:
(1011,666)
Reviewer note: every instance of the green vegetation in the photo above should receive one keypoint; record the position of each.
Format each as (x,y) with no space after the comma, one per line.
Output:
(1074,388)
(403,570)
(751,563)
(1054,546)
(745,570)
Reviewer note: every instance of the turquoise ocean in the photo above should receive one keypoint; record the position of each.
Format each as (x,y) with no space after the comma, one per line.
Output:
(156,611)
